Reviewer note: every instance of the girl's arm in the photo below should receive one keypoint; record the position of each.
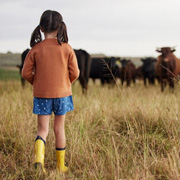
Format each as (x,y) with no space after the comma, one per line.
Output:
(28,67)
(73,67)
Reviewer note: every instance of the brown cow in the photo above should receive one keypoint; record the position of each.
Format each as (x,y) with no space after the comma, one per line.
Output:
(167,67)
(139,74)
(127,71)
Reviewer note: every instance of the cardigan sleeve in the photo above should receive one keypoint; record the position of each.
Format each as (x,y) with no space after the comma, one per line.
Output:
(28,67)
(73,67)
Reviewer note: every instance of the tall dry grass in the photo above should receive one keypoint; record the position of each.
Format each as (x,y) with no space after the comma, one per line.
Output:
(126,134)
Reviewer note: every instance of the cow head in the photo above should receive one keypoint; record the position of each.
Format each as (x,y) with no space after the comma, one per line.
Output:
(148,61)
(124,62)
(165,50)
(148,64)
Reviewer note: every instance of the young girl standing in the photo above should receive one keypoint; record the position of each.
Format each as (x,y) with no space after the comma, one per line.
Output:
(51,67)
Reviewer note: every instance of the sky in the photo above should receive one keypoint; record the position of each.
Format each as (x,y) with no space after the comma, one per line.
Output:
(111,27)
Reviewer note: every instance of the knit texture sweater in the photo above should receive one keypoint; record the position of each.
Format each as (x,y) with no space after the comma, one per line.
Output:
(51,69)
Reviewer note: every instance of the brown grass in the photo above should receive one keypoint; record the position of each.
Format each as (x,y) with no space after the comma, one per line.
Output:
(127,134)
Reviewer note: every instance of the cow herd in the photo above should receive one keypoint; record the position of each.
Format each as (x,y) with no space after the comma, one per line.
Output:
(166,69)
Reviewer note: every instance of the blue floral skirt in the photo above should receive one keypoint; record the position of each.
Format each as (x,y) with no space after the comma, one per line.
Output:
(60,106)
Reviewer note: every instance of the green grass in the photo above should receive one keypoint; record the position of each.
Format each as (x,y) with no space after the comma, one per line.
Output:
(113,134)
(6,74)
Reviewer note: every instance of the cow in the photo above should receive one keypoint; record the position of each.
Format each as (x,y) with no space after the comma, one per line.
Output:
(148,70)
(139,74)
(167,67)
(127,72)
(23,56)
(84,64)
(106,69)
(96,69)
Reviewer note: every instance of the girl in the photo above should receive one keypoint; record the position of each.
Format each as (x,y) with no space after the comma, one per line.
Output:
(51,67)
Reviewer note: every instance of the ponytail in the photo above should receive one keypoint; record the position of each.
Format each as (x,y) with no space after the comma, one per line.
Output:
(62,33)
(36,36)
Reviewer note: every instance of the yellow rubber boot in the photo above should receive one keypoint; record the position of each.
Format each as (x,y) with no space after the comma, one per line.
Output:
(39,154)
(60,154)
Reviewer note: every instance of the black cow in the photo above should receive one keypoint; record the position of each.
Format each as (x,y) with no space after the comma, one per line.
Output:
(23,56)
(127,72)
(84,64)
(148,70)
(105,69)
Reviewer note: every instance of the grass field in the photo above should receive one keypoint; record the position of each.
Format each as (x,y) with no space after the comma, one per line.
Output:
(113,134)
(7,74)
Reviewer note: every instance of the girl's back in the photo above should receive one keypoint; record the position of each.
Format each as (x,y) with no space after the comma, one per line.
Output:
(52,76)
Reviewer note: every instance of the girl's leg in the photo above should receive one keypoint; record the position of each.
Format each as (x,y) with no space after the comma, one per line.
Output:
(59,131)
(43,126)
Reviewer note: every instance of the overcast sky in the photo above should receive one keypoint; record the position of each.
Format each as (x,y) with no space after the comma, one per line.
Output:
(111,27)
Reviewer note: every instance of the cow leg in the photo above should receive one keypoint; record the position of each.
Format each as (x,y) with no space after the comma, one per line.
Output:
(23,82)
(128,79)
(122,81)
(134,80)
(149,80)
(102,81)
(171,84)
(128,82)
(83,83)
(134,77)
(153,81)
(87,67)
(145,82)
(162,85)
(158,79)
(85,88)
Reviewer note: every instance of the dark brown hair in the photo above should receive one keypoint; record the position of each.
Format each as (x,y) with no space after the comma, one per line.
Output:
(50,21)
